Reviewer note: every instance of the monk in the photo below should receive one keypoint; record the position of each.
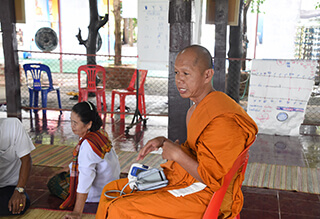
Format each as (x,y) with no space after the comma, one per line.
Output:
(218,130)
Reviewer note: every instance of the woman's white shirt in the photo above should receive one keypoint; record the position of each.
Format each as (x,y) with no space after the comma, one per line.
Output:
(94,172)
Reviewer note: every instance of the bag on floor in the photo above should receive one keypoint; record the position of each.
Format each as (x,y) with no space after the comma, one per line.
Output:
(58,185)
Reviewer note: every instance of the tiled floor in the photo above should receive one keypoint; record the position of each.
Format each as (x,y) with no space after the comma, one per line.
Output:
(259,202)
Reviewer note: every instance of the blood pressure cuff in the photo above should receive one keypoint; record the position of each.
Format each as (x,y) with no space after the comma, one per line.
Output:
(148,179)
(151,179)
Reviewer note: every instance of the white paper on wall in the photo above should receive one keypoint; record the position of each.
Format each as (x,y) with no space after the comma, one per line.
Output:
(278,94)
(153,36)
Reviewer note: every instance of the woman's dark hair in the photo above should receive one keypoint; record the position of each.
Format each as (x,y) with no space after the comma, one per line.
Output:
(87,112)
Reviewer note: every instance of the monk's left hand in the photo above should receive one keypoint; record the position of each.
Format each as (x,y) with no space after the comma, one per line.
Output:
(152,145)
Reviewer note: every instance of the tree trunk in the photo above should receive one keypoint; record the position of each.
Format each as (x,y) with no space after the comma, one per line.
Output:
(235,51)
(130,31)
(125,30)
(245,37)
(96,22)
(117,31)
(93,32)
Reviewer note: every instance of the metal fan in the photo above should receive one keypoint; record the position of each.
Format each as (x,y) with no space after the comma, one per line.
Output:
(99,42)
(46,39)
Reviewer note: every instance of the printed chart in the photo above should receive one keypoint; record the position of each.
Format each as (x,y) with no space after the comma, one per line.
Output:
(278,94)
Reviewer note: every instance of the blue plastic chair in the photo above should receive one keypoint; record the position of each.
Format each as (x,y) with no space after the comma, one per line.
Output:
(35,70)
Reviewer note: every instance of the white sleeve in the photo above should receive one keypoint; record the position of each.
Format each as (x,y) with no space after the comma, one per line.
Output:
(87,160)
(19,137)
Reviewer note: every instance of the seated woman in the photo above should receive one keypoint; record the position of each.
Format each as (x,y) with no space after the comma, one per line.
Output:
(94,163)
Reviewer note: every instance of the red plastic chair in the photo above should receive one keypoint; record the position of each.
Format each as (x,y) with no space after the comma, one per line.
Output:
(130,90)
(213,208)
(100,91)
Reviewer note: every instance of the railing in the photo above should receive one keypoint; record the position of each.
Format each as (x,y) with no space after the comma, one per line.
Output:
(156,85)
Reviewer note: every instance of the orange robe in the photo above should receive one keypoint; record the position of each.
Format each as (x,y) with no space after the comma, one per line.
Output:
(218,131)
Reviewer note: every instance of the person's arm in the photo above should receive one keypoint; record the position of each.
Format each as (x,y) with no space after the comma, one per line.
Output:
(78,207)
(17,201)
(152,145)
(171,151)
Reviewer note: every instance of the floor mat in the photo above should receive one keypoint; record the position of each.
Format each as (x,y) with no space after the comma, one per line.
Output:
(61,156)
(292,178)
(45,214)
(52,155)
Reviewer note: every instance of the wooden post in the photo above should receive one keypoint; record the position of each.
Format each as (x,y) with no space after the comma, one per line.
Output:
(60,36)
(117,32)
(221,22)
(180,37)
(235,51)
(11,62)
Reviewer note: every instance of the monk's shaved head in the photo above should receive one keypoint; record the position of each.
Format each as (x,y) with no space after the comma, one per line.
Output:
(201,56)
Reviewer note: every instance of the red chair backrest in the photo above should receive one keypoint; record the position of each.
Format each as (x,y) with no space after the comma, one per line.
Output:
(213,208)
(142,79)
(92,71)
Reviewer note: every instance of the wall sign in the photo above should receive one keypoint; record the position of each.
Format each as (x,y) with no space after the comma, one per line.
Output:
(278,94)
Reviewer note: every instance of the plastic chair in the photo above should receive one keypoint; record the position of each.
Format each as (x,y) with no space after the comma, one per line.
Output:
(100,91)
(213,208)
(130,90)
(35,70)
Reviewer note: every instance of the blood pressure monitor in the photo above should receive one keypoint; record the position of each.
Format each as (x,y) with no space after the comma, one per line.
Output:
(135,169)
